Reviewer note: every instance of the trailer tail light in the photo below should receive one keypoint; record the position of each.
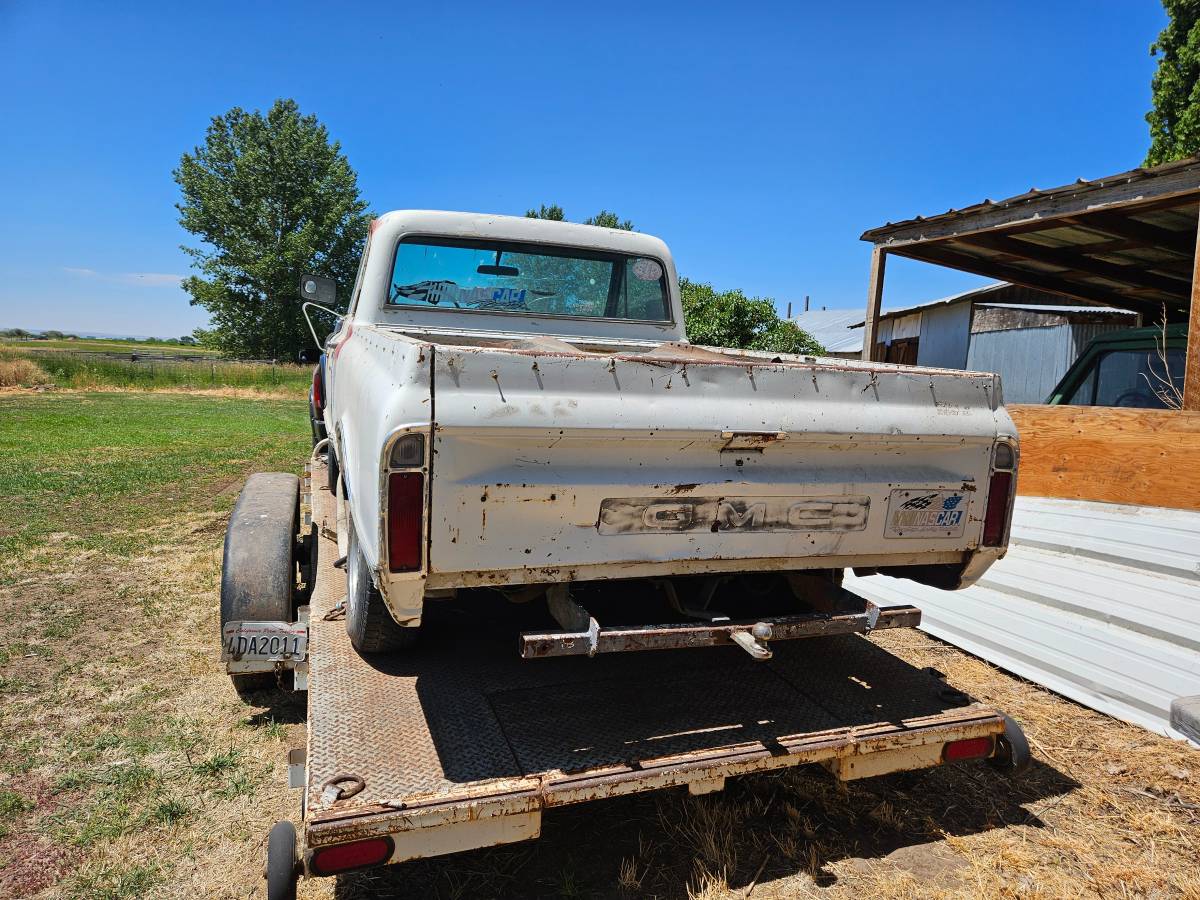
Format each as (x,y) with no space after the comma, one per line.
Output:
(968,748)
(999,499)
(318,397)
(356,855)
(406,505)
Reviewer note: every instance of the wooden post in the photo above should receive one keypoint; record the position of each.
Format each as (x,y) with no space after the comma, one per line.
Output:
(874,300)
(1191,372)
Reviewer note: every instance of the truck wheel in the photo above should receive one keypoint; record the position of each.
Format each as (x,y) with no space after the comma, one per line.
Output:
(258,573)
(368,622)
(1012,750)
(281,869)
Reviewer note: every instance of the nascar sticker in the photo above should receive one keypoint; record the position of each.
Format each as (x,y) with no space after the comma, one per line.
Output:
(917,513)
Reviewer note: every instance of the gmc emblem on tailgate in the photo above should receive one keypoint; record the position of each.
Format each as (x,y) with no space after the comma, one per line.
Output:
(651,515)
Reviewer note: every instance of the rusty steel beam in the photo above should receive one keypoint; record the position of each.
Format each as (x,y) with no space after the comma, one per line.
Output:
(535,645)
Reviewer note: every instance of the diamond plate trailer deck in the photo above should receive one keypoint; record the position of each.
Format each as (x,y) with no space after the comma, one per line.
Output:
(461,743)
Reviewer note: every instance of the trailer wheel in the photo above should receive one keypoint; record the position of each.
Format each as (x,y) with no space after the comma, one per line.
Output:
(282,871)
(1012,750)
(368,622)
(260,565)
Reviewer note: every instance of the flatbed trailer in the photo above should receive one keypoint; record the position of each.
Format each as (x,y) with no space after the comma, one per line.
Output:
(461,743)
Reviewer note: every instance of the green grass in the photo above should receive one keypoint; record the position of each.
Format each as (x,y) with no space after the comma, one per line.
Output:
(96,468)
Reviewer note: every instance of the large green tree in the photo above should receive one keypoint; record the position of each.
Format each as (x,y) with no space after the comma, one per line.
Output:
(731,319)
(1175,117)
(271,197)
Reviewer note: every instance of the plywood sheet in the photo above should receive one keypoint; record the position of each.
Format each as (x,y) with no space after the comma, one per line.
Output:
(1143,457)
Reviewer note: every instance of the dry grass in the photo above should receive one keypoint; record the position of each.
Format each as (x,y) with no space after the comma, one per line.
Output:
(147,775)
(25,373)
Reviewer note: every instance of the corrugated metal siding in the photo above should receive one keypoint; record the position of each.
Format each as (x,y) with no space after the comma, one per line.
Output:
(945,336)
(1031,361)
(1096,601)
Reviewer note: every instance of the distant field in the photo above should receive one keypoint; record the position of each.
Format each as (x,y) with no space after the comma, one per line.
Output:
(21,367)
(111,345)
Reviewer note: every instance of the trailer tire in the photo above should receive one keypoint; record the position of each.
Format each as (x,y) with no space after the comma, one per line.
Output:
(368,623)
(1012,755)
(260,566)
(282,870)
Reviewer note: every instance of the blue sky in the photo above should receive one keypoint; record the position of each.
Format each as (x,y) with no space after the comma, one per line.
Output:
(758,139)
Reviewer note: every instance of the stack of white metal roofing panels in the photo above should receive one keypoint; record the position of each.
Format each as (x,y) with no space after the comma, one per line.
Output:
(1096,601)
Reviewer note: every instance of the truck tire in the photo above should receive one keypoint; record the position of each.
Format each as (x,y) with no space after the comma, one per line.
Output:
(259,569)
(368,623)
(281,870)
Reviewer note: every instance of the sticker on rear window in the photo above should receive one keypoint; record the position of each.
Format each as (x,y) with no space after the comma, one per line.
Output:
(646,270)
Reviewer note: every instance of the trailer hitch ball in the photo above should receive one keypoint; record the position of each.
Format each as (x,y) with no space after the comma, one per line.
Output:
(754,641)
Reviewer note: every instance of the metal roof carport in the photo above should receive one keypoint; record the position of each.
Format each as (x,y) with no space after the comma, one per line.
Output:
(1127,241)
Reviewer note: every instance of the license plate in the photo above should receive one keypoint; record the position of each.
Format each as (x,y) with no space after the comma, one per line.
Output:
(264,642)
(918,513)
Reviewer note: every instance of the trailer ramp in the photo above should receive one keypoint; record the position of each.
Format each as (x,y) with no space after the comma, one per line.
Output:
(461,743)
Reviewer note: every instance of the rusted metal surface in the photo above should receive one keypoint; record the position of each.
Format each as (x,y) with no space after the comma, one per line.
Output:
(461,744)
(681,636)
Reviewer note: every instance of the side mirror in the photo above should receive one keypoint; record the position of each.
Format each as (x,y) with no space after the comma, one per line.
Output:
(318,289)
(309,356)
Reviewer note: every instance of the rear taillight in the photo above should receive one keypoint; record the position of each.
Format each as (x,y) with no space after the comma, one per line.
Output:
(968,748)
(356,855)
(406,502)
(996,517)
(999,499)
(318,397)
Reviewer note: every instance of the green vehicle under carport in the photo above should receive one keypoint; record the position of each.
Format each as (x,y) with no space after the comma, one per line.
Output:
(1133,368)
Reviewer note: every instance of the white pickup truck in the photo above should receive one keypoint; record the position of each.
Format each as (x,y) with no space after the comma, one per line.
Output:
(519,443)
(513,402)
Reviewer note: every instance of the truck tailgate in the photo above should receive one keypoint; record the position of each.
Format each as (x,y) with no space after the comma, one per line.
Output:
(547,462)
